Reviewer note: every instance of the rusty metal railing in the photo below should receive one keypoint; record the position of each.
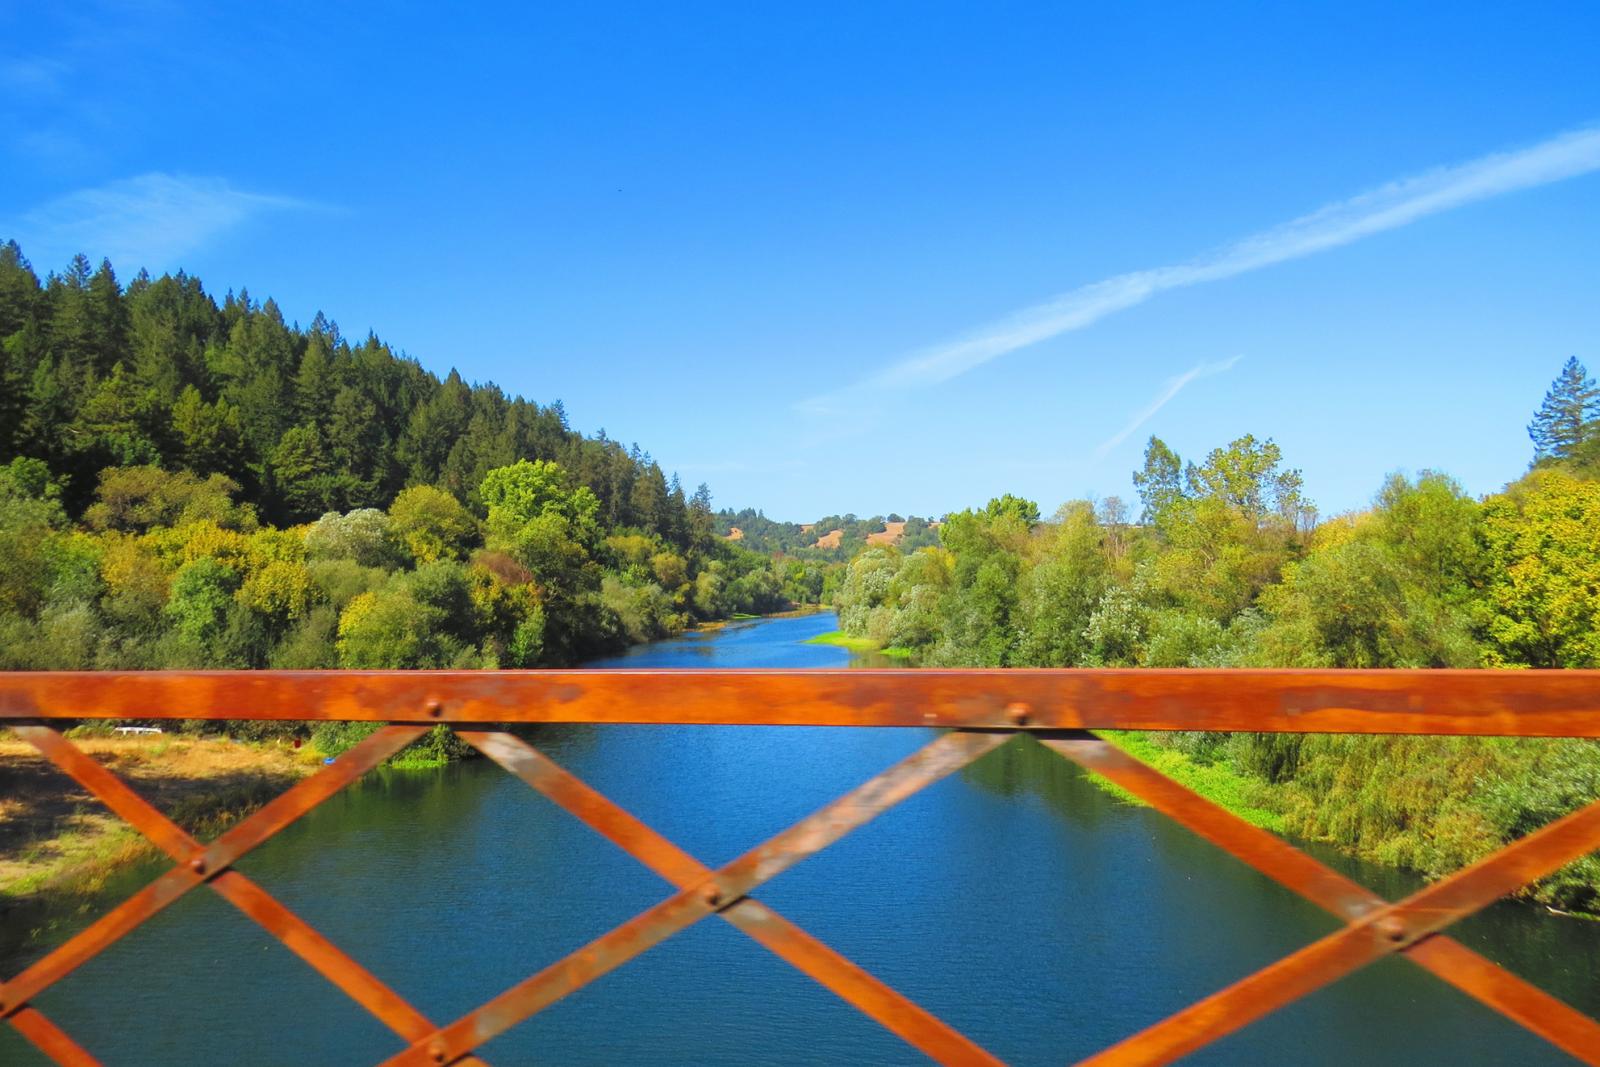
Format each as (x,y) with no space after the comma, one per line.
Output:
(981,711)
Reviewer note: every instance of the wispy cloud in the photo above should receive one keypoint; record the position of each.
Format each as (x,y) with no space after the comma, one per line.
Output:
(153,220)
(1172,388)
(38,74)
(734,466)
(1397,204)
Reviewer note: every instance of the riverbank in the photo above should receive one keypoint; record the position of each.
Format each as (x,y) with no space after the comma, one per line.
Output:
(840,639)
(711,626)
(1282,809)
(423,852)
(1244,797)
(60,849)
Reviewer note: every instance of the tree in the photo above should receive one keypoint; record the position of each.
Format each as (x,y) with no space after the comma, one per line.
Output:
(431,524)
(1160,484)
(525,491)
(112,421)
(202,592)
(1565,420)
(365,535)
(192,416)
(314,383)
(19,289)
(209,436)
(863,596)
(1542,545)
(137,499)
(701,522)
(1246,475)
(308,480)
(1015,508)
(1062,591)
(30,518)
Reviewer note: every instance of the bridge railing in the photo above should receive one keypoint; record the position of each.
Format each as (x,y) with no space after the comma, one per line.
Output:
(978,711)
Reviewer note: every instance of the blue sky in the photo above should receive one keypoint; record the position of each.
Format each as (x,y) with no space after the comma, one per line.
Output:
(793,251)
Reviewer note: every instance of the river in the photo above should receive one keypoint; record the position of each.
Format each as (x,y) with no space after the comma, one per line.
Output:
(1028,908)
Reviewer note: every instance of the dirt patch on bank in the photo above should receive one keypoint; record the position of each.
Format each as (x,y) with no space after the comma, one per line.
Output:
(50,825)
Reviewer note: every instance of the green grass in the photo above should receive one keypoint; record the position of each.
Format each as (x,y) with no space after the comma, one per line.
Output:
(418,762)
(894,652)
(1214,781)
(844,640)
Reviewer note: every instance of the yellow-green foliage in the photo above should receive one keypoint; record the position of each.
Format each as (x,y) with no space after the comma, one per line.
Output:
(169,426)
(432,524)
(1436,804)
(1223,573)
(1542,540)
(281,590)
(136,499)
(199,540)
(378,630)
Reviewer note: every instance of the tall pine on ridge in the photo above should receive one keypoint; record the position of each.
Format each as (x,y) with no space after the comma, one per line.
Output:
(1565,421)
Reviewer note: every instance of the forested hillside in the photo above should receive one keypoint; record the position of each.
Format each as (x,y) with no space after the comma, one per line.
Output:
(188,484)
(761,534)
(1226,566)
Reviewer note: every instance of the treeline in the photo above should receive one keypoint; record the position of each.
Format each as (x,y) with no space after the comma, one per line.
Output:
(761,534)
(306,422)
(187,484)
(1226,565)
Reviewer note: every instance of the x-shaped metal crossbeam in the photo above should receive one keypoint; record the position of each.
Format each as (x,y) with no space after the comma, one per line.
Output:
(200,864)
(1373,927)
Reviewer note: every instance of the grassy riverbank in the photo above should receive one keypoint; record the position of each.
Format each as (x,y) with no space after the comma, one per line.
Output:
(1396,801)
(858,644)
(61,851)
(1245,797)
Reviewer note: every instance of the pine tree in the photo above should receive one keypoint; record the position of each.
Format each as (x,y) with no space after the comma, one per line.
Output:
(19,290)
(1567,416)
(314,383)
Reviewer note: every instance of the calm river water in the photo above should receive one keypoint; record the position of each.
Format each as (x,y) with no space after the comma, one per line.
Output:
(1028,908)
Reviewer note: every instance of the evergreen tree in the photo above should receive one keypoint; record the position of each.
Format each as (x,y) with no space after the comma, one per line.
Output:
(209,437)
(315,385)
(701,520)
(19,290)
(94,375)
(1566,418)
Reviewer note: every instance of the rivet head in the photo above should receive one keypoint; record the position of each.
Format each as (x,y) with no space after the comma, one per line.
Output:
(1392,928)
(1017,714)
(434,709)
(198,865)
(712,895)
(437,1053)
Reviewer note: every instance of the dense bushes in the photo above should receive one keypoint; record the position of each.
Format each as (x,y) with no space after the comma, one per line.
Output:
(184,484)
(422,584)
(1228,569)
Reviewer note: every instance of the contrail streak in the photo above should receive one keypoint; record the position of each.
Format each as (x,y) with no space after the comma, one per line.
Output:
(1389,207)
(1170,390)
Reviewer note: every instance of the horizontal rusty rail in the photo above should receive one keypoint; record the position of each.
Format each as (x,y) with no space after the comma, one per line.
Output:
(986,709)
(1483,703)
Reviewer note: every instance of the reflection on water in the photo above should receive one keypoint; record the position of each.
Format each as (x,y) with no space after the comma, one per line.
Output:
(771,643)
(1027,907)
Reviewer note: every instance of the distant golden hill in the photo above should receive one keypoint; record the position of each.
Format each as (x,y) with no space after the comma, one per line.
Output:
(890,535)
